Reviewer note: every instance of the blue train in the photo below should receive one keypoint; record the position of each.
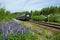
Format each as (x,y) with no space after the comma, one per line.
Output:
(24,17)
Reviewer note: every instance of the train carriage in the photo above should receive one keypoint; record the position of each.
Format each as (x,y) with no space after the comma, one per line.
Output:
(24,17)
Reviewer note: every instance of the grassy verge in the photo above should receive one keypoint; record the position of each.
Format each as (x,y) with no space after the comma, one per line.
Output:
(43,33)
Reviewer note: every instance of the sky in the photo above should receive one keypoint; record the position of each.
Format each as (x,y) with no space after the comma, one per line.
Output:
(28,5)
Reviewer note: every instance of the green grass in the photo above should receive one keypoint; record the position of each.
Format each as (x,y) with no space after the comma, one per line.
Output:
(0,35)
(44,34)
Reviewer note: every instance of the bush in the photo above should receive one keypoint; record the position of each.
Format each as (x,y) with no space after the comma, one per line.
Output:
(38,18)
(5,15)
(55,18)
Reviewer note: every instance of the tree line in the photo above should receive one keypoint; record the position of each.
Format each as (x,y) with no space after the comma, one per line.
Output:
(48,14)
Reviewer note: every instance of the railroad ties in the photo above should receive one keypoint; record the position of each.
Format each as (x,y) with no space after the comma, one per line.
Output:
(53,27)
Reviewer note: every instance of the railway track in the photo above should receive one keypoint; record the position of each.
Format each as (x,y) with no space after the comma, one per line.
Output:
(45,25)
(54,27)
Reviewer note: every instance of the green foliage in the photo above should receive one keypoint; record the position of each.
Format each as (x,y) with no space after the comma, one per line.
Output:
(42,15)
(18,36)
(5,15)
(19,13)
(49,10)
(44,35)
(56,35)
(38,18)
(35,13)
(0,35)
(54,13)
(55,18)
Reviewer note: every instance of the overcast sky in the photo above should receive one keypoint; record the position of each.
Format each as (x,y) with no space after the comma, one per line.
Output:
(27,5)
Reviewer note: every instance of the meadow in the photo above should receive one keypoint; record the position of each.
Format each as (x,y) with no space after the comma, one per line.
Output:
(12,30)
(26,31)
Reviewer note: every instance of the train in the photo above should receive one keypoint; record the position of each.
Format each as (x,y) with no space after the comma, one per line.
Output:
(24,17)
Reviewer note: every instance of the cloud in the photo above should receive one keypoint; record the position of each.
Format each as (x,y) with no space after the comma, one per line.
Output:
(23,5)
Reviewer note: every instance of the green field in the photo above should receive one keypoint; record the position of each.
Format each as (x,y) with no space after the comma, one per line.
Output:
(49,14)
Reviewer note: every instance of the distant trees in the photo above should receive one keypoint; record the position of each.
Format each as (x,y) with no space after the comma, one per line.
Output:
(46,14)
(15,14)
(49,10)
(49,14)
(5,15)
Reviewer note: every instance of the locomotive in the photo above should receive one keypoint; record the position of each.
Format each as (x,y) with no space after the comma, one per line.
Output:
(24,17)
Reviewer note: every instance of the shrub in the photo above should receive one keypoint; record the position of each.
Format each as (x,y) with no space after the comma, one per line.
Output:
(38,18)
(5,15)
(55,18)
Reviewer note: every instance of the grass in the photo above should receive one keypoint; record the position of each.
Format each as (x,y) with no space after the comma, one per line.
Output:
(44,34)
(0,35)
(41,34)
